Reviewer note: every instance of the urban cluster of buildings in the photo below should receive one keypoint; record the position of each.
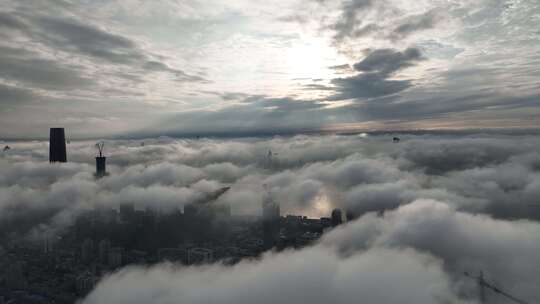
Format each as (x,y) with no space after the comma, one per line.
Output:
(64,265)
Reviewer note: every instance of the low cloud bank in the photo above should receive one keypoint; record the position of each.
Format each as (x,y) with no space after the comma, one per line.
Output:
(496,175)
(427,208)
(414,254)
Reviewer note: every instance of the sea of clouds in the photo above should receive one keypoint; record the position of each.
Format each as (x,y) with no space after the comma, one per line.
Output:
(428,208)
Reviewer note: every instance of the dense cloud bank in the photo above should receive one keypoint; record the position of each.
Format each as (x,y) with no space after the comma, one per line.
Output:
(312,275)
(428,208)
(415,254)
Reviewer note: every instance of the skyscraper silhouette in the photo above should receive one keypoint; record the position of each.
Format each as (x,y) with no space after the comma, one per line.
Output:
(100,166)
(100,161)
(336,217)
(270,218)
(57,146)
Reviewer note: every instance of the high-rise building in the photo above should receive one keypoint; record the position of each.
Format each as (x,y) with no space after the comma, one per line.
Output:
(127,212)
(100,161)
(337,217)
(104,247)
(100,166)
(115,257)
(350,215)
(14,275)
(84,283)
(198,255)
(87,251)
(57,145)
(47,244)
(172,255)
(270,219)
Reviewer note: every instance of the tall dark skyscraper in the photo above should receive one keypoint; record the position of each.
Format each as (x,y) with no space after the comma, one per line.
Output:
(271,227)
(100,166)
(127,211)
(100,161)
(336,217)
(57,146)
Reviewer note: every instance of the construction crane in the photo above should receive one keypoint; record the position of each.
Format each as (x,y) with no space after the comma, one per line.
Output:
(483,285)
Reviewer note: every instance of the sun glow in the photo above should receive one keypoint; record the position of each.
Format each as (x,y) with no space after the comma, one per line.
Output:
(322,205)
(311,58)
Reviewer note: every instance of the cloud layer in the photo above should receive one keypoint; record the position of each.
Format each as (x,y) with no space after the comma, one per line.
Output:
(428,208)
(415,254)
(238,67)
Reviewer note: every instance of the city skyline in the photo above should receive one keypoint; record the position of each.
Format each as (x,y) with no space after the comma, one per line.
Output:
(416,212)
(269,152)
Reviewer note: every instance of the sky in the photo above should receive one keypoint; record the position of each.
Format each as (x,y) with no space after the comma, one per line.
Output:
(171,67)
(427,209)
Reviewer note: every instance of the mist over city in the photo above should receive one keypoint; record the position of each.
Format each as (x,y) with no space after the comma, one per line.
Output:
(319,151)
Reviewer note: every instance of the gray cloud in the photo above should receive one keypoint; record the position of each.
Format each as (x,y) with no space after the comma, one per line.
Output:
(287,277)
(473,67)
(14,95)
(367,86)
(388,61)
(11,22)
(89,40)
(433,227)
(23,66)
(414,24)
(341,67)
(377,67)
(56,54)
(435,193)
(354,173)
(349,17)
(381,20)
